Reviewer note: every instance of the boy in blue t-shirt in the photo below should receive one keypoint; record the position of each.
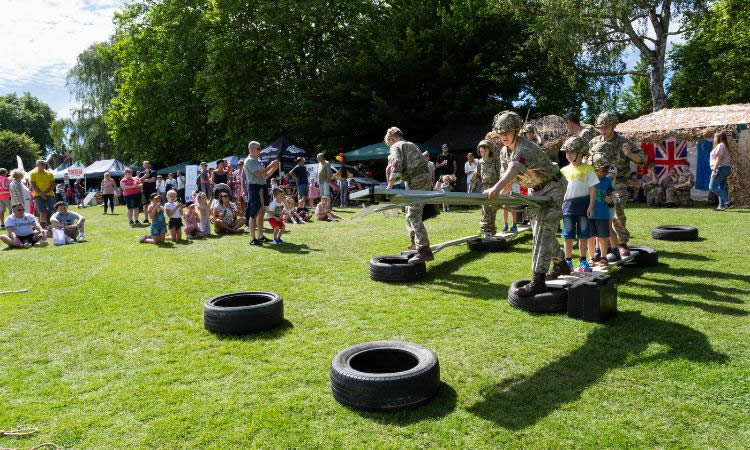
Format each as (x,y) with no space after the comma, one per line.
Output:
(601,219)
(578,203)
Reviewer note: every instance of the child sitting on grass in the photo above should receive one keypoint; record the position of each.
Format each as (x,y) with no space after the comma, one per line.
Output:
(204,212)
(578,203)
(290,212)
(302,210)
(323,211)
(191,220)
(155,212)
(173,209)
(275,215)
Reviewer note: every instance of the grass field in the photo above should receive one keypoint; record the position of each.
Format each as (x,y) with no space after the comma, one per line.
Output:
(108,349)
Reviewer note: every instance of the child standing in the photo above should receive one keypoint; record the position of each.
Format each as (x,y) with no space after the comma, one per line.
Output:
(600,220)
(158,225)
(204,211)
(274,215)
(578,203)
(174,212)
(444,185)
(487,174)
(191,220)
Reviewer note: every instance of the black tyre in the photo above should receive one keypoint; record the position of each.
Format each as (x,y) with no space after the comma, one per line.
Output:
(488,244)
(396,268)
(385,375)
(674,233)
(243,312)
(646,257)
(552,301)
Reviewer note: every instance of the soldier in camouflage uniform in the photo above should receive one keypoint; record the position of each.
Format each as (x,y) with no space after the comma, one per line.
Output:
(574,127)
(529,165)
(652,187)
(679,193)
(625,153)
(406,163)
(488,172)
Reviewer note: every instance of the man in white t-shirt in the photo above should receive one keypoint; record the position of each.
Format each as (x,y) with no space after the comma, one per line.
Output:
(470,168)
(23,229)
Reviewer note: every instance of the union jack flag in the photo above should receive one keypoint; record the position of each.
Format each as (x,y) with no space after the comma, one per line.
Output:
(669,154)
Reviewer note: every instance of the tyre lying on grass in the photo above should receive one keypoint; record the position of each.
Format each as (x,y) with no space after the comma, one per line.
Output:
(241,313)
(552,301)
(488,244)
(646,257)
(385,376)
(674,233)
(396,268)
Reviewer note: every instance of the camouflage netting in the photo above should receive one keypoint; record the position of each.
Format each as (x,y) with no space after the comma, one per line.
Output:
(694,124)
(551,129)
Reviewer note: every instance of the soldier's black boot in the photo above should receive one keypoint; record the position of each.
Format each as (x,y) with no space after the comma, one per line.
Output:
(424,254)
(559,269)
(536,286)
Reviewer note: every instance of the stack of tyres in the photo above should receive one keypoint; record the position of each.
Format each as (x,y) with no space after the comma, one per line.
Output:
(593,299)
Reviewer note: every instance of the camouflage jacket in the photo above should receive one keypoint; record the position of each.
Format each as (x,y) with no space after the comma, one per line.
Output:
(488,172)
(588,133)
(649,181)
(685,178)
(535,170)
(407,163)
(618,159)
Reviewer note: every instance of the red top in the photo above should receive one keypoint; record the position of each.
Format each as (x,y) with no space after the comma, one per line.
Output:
(125,182)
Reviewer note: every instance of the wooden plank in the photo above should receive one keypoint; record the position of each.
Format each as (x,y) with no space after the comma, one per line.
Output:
(567,280)
(437,247)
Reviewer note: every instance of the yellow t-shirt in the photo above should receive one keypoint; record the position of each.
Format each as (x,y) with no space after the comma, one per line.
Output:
(43,181)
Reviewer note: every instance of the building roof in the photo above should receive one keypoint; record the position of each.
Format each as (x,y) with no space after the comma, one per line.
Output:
(685,123)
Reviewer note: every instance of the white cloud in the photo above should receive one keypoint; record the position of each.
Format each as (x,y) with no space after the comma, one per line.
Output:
(42,38)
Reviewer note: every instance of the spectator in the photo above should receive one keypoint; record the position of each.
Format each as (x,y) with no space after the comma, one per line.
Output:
(679,194)
(80,192)
(108,192)
(173,210)
(300,177)
(220,175)
(42,185)
(181,186)
(4,196)
(171,183)
(204,182)
(18,192)
(343,181)
(275,215)
(470,168)
(68,221)
(290,212)
(204,213)
(446,163)
(313,192)
(22,229)
(161,187)
(430,166)
(225,216)
(69,194)
(118,193)
(158,225)
(445,184)
(720,170)
(237,183)
(148,180)
(191,218)
(634,187)
(323,211)
(302,210)
(324,175)
(60,192)
(131,190)
(652,188)
(255,176)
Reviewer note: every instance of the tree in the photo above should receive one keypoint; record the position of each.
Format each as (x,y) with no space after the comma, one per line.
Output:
(635,101)
(27,115)
(592,34)
(14,144)
(711,67)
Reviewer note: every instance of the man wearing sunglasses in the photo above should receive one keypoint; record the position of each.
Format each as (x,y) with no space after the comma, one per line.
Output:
(23,230)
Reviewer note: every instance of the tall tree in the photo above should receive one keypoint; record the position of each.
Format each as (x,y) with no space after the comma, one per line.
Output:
(27,115)
(635,101)
(711,68)
(14,144)
(593,34)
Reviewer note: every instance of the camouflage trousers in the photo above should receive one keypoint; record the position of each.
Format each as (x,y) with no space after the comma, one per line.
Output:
(544,223)
(680,197)
(489,213)
(655,196)
(414,224)
(619,221)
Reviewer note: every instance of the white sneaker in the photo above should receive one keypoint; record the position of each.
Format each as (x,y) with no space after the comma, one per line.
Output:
(27,245)
(69,240)
(80,238)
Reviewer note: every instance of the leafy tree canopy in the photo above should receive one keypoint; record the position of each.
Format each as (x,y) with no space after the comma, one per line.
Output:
(14,144)
(27,115)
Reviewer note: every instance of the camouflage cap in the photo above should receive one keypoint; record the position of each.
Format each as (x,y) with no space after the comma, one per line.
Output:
(606,118)
(575,144)
(487,144)
(600,161)
(528,128)
(507,121)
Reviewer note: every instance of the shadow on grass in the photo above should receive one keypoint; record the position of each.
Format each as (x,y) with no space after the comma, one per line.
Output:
(275,333)
(442,277)
(443,404)
(685,256)
(520,401)
(291,247)
(670,292)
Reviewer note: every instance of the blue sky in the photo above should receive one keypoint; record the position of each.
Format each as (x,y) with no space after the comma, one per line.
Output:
(41,40)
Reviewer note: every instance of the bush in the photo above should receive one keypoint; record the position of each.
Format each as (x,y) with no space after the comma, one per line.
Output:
(12,144)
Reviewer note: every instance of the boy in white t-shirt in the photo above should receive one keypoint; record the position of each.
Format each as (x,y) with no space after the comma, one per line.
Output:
(275,213)
(578,203)
(72,223)
(22,229)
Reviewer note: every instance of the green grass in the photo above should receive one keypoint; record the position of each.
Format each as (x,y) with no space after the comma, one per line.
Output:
(108,349)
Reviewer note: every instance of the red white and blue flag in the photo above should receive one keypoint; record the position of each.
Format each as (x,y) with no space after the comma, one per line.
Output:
(665,155)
